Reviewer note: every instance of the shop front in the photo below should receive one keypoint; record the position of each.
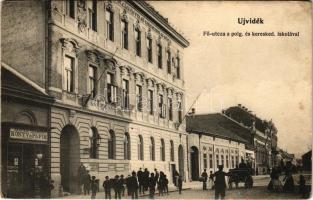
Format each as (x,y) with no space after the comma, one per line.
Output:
(25,160)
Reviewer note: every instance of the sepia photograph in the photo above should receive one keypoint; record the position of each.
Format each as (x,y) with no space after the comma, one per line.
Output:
(136,99)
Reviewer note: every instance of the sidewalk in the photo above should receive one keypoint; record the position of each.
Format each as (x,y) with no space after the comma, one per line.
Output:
(101,195)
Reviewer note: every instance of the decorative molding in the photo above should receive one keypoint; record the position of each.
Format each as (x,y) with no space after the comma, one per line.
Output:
(137,25)
(151,82)
(82,15)
(109,6)
(139,76)
(70,44)
(111,63)
(94,56)
(124,16)
(149,34)
(125,69)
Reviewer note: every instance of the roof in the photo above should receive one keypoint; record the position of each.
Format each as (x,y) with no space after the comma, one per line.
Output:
(216,125)
(159,20)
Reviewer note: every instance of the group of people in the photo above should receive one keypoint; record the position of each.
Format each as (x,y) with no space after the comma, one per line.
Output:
(276,185)
(136,183)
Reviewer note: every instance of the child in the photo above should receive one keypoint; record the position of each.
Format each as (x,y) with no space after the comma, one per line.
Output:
(94,187)
(107,188)
(180,184)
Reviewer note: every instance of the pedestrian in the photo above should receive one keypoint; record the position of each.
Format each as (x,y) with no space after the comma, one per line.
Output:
(204,176)
(94,187)
(180,184)
(156,174)
(152,183)
(107,187)
(134,186)
(146,179)
(128,185)
(220,183)
(302,187)
(165,185)
(140,180)
(211,180)
(176,175)
(121,185)
(116,187)
(81,174)
(87,181)
(44,185)
(289,183)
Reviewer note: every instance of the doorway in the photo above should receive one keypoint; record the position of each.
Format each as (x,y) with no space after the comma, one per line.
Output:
(194,159)
(181,161)
(69,158)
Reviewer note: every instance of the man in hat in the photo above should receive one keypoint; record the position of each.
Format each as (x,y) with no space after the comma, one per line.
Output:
(220,183)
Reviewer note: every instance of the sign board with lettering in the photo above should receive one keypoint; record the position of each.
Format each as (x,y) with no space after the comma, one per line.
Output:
(31,135)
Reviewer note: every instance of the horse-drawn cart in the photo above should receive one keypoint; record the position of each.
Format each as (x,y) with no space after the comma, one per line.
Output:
(240,175)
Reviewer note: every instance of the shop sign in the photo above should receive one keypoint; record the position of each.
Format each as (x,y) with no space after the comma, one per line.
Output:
(23,134)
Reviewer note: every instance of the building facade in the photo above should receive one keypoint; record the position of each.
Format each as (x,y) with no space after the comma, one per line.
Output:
(212,141)
(115,71)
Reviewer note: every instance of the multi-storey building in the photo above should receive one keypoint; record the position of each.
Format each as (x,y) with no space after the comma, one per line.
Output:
(115,70)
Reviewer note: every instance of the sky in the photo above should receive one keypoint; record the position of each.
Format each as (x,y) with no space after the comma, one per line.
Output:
(271,76)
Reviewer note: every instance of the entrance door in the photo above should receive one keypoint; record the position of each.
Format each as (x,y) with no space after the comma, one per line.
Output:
(194,159)
(181,161)
(69,157)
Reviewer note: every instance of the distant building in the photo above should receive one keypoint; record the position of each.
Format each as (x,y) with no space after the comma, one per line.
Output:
(263,133)
(212,141)
(307,161)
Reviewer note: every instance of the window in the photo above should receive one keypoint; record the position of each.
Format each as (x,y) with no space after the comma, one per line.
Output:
(125,93)
(169,70)
(94,142)
(217,161)
(236,161)
(232,162)
(178,67)
(162,150)
(170,108)
(227,164)
(179,108)
(92,15)
(70,8)
(126,146)
(149,49)
(92,81)
(205,159)
(150,101)
(111,145)
(138,42)
(111,89)
(124,28)
(139,97)
(152,149)
(172,151)
(159,56)
(69,73)
(211,160)
(222,159)
(140,148)
(162,107)
(110,24)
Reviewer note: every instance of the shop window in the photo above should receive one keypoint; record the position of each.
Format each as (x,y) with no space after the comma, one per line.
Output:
(140,148)
(172,151)
(138,42)
(126,146)
(152,149)
(162,150)
(111,145)
(94,141)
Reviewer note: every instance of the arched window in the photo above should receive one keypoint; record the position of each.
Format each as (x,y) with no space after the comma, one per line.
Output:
(152,149)
(172,151)
(205,158)
(162,150)
(126,146)
(94,143)
(111,145)
(140,148)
